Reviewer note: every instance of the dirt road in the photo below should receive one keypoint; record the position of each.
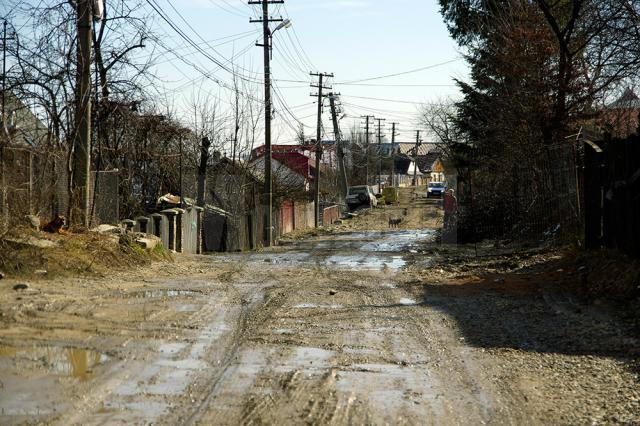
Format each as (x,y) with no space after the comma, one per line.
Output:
(345,327)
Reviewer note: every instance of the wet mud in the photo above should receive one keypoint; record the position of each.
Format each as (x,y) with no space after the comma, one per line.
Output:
(354,326)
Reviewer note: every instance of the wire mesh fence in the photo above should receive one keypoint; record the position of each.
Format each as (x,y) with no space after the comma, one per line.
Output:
(34,183)
(520,197)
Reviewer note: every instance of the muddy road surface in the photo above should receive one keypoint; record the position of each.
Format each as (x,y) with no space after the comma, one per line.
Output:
(352,327)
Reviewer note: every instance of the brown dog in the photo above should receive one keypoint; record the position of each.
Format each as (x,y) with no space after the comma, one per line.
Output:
(55,226)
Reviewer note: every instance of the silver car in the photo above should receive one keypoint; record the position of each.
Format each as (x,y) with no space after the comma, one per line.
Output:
(361,195)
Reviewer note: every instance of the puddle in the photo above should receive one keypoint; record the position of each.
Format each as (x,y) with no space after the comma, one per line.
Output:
(72,362)
(398,241)
(361,262)
(187,308)
(313,305)
(281,259)
(408,302)
(160,293)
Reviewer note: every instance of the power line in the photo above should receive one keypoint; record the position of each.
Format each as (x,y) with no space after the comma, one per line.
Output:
(404,72)
(158,9)
(387,100)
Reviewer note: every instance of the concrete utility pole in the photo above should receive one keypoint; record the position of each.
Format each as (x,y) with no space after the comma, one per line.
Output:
(82,137)
(266,45)
(415,158)
(393,153)
(380,120)
(316,194)
(367,134)
(344,184)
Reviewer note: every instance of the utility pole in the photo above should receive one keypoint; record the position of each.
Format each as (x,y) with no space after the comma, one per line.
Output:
(380,120)
(393,153)
(266,45)
(367,134)
(316,194)
(344,185)
(182,203)
(82,137)
(415,158)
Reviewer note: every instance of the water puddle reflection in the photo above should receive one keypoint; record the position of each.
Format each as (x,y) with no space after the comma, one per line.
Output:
(160,293)
(72,362)
(362,262)
(313,305)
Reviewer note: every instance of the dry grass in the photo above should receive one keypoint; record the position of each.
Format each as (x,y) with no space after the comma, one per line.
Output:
(23,254)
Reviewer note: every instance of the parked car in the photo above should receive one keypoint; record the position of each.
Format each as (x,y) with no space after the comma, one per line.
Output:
(436,189)
(361,195)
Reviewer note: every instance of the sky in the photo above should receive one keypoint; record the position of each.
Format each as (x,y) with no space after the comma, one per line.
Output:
(359,41)
(353,39)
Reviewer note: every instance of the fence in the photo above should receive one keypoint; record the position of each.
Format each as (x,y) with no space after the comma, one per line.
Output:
(34,182)
(330,215)
(612,194)
(530,194)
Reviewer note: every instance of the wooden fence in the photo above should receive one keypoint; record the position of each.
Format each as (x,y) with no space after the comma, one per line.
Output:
(612,194)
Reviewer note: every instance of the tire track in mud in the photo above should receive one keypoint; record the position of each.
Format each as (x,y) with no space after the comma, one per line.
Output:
(251,315)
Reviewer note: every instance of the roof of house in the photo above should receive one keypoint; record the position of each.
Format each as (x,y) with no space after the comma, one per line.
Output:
(408,148)
(297,162)
(628,100)
(426,162)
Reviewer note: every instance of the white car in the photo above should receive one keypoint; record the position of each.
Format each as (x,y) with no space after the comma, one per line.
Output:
(436,189)
(361,195)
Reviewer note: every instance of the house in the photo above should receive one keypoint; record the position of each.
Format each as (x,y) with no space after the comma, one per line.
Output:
(292,174)
(432,166)
(234,202)
(621,117)
(232,207)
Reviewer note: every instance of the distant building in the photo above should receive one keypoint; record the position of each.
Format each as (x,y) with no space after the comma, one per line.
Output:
(620,118)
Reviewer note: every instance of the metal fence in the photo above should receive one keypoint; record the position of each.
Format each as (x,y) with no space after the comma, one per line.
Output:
(104,197)
(528,196)
(36,182)
(612,194)
(33,183)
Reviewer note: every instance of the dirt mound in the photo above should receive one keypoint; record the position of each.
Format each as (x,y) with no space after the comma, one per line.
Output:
(27,253)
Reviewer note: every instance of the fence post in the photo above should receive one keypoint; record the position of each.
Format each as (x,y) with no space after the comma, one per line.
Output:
(593,196)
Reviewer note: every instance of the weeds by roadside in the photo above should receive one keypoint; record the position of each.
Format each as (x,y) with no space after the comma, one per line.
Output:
(26,253)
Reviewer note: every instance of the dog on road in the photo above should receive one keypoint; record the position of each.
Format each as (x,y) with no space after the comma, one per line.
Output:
(394,222)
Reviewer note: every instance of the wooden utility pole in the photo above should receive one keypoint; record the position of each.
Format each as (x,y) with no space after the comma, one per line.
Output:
(82,138)
(393,153)
(415,158)
(316,195)
(344,184)
(268,185)
(205,144)
(367,134)
(380,120)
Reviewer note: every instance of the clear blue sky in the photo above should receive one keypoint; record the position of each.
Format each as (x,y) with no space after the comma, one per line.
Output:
(354,39)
